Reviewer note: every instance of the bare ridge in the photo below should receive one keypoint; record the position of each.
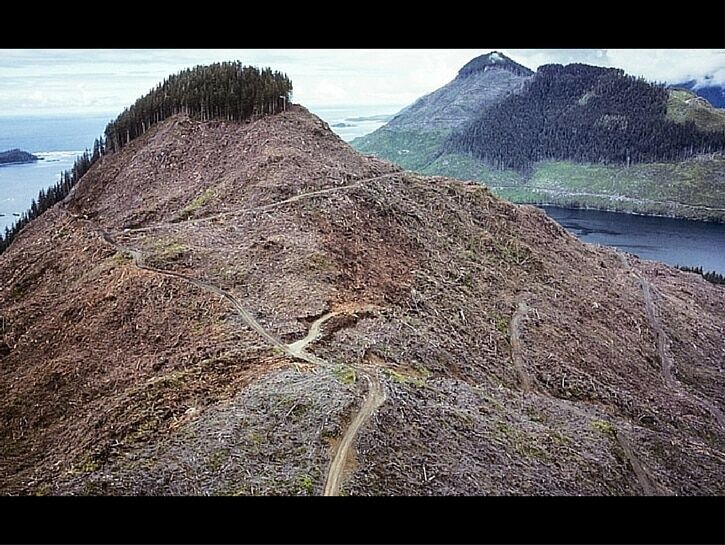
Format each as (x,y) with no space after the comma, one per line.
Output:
(222,307)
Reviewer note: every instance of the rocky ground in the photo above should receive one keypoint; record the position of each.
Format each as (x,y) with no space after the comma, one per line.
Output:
(149,325)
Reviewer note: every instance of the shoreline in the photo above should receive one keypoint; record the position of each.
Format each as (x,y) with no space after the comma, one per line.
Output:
(615,211)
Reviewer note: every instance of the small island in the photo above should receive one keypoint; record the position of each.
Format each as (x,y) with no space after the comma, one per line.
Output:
(16,156)
(379,117)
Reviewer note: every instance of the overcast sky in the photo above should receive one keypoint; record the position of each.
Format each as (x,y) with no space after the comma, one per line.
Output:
(61,81)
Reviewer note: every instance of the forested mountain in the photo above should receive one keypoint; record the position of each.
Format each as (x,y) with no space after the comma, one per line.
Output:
(586,114)
(227,90)
(415,134)
(569,136)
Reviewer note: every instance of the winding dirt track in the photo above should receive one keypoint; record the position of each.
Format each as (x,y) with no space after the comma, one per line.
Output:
(666,361)
(244,313)
(374,399)
(515,336)
(299,346)
(647,484)
(265,207)
(376,393)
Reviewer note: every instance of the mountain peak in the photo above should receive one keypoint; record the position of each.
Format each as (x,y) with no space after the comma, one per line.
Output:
(480,83)
(494,59)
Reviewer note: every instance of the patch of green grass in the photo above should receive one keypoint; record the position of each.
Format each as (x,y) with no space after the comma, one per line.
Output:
(42,490)
(196,204)
(305,483)
(558,438)
(603,426)
(345,374)
(500,322)
(684,106)
(397,377)
(256,438)
(321,262)
(166,250)
(400,378)
(522,443)
(120,258)
(692,183)
(412,150)
(217,459)
(529,450)
(679,188)
(425,373)
(144,430)
(87,464)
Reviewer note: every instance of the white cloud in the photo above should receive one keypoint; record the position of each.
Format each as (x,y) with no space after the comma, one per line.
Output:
(42,82)
(664,65)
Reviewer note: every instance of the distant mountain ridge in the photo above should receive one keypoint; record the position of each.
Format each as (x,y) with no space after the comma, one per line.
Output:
(493,60)
(573,136)
(713,93)
(583,113)
(414,136)
(480,83)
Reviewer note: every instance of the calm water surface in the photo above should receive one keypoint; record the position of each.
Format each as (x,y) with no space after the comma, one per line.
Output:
(57,141)
(673,241)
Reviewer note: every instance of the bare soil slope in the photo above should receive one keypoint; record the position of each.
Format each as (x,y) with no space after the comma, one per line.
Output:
(225,308)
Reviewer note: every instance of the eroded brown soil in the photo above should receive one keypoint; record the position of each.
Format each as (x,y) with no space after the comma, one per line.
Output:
(117,379)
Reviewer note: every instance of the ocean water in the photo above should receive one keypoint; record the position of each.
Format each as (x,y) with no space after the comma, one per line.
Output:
(346,122)
(46,134)
(56,141)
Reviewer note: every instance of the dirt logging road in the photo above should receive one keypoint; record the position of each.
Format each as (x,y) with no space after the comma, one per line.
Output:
(375,395)
(373,400)
(666,361)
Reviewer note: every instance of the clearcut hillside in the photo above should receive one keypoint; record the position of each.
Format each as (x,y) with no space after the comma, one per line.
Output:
(227,308)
